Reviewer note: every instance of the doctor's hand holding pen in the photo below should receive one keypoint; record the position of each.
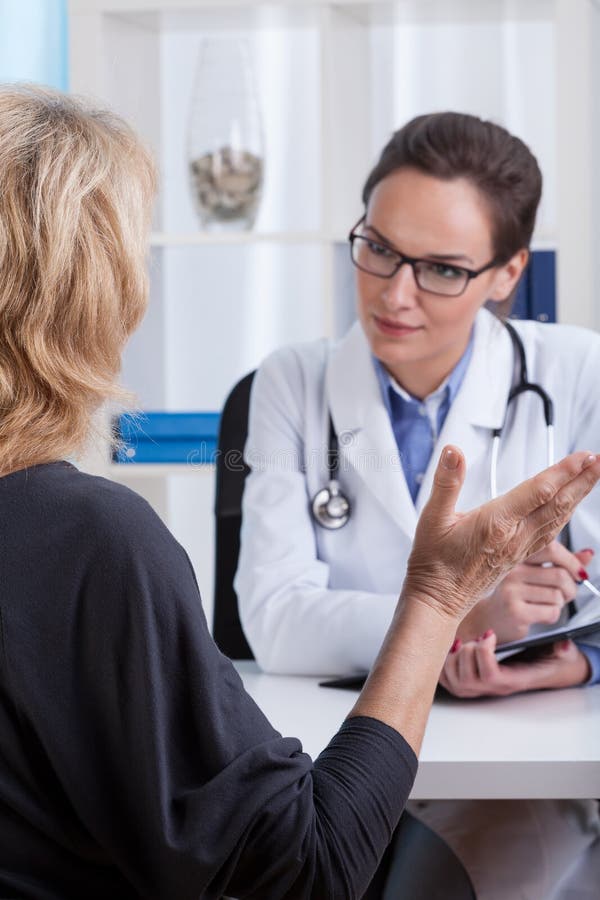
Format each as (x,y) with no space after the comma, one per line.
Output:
(456,559)
(533,592)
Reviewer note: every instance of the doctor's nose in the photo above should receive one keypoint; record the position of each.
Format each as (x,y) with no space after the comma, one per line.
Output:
(401,291)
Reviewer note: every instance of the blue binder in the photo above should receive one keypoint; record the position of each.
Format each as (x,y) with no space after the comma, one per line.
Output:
(542,286)
(161,437)
(536,294)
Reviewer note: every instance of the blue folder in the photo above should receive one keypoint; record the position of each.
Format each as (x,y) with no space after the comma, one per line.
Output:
(536,294)
(161,437)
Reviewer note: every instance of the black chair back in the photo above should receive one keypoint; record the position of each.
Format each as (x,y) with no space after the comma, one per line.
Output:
(231,475)
(421,866)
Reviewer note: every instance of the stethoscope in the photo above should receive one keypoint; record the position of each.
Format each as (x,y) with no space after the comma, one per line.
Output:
(522,386)
(330,507)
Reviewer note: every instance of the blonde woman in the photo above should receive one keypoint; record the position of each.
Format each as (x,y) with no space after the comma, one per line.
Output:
(132,763)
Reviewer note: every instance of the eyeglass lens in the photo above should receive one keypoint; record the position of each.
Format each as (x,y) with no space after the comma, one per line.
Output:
(377,259)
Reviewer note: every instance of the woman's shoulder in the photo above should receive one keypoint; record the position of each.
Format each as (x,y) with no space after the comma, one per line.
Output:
(294,373)
(106,513)
(307,361)
(558,338)
(565,358)
(298,357)
(96,529)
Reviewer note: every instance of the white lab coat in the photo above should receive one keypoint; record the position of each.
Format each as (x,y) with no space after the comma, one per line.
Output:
(314,601)
(319,602)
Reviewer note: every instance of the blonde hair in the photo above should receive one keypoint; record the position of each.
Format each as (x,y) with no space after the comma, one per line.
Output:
(76,190)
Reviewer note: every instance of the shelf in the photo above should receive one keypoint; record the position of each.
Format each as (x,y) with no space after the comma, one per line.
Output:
(204,238)
(135,471)
(178,11)
(224,15)
(422,12)
(233,238)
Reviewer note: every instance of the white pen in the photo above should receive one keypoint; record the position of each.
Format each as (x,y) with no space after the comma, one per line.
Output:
(591,587)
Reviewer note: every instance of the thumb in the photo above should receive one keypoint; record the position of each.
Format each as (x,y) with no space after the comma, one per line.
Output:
(447,482)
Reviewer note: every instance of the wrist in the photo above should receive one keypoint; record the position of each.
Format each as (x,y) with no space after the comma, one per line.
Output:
(425,603)
(472,625)
(402,681)
(418,614)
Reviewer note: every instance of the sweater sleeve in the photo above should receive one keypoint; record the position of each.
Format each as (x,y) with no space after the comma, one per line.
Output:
(170,766)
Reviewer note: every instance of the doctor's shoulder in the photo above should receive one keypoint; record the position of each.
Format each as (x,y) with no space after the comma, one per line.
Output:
(557,346)
(297,368)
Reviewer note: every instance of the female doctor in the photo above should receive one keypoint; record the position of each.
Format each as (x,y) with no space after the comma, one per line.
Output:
(449,211)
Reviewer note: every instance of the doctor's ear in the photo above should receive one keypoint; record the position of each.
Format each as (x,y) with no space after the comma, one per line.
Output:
(508,275)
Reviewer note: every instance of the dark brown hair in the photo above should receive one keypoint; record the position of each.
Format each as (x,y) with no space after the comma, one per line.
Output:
(451,145)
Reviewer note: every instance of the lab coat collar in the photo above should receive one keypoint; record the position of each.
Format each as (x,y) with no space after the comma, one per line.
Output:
(480,404)
(363,426)
(488,379)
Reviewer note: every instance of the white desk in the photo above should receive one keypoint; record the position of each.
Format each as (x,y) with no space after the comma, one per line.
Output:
(545,744)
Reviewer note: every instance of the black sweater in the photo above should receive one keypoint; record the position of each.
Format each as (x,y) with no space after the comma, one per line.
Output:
(132,762)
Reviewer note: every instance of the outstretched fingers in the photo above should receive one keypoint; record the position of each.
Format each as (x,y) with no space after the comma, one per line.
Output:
(554,493)
(547,521)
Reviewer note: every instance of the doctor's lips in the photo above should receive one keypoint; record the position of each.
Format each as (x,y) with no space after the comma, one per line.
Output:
(395,328)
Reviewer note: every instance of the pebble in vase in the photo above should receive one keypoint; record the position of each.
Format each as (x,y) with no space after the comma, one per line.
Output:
(226,161)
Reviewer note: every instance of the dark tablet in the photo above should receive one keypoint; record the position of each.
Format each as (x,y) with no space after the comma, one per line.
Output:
(350,683)
(549,637)
(356,682)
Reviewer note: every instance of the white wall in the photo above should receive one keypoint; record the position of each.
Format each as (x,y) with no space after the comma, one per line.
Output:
(503,71)
(217,310)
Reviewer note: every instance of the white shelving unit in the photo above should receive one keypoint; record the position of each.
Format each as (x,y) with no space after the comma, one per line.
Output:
(335,77)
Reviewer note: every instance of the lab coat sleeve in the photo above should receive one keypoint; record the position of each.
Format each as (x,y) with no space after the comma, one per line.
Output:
(293,621)
(584,527)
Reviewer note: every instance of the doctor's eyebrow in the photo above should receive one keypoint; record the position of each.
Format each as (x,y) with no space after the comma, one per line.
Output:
(455,257)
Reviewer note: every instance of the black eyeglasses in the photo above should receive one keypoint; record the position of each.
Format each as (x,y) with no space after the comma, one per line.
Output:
(434,277)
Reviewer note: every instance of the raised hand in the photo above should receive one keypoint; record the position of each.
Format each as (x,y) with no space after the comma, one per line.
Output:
(458,557)
(455,559)
(534,592)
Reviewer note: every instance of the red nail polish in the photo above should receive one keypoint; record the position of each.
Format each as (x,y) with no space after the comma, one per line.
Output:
(488,633)
(583,574)
(455,645)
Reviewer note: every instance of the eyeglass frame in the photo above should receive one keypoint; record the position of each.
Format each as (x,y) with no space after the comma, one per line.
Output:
(412,261)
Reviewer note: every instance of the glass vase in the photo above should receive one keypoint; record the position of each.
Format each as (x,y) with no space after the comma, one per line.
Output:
(225,144)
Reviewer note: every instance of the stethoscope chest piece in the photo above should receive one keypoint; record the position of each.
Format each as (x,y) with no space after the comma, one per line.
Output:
(330,507)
